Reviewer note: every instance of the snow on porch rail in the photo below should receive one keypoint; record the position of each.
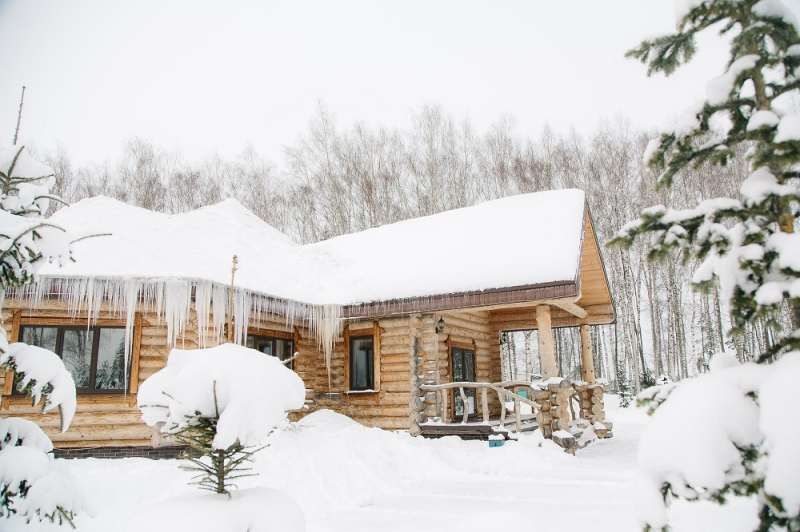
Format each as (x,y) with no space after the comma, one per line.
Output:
(171,299)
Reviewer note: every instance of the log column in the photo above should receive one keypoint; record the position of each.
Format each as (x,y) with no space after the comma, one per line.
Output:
(586,355)
(547,352)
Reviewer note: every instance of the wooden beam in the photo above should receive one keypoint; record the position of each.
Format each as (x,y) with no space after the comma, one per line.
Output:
(586,355)
(547,351)
(568,306)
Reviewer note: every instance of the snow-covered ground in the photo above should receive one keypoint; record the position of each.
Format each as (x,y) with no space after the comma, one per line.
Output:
(347,477)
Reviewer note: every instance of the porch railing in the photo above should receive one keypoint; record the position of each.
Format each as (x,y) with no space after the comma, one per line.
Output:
(506,391)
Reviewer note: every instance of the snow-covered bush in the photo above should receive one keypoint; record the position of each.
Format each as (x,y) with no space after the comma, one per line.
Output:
(31,483)
(220,401)
(719,433)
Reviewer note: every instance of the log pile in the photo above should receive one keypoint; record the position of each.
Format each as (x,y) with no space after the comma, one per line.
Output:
(590,397)
(554,396)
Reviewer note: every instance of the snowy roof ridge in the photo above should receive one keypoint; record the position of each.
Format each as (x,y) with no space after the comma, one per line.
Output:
(454,252)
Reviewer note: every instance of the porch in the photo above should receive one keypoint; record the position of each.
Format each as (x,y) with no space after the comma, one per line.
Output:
(478,408)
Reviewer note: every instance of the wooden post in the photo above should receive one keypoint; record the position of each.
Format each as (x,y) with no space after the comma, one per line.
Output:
(485,405)
(586,355)
(464,404)
(502,408)
(518,414)
(445,394)
(546,344)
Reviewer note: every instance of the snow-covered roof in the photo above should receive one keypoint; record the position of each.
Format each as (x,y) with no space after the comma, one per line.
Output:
(520,241)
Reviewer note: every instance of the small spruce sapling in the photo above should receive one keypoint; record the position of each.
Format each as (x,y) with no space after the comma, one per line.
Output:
(216,468)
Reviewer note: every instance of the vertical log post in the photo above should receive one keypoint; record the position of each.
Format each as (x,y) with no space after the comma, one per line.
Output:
(586,355)
(485,405)
(445,395)
(465,406)
(546,344)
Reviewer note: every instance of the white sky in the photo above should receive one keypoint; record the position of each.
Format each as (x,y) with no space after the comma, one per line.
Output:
(207,77)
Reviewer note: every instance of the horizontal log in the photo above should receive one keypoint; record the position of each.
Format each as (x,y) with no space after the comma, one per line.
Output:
(399,386)
(395,377)
(83,419)
(458,332)
(375,411)
(151,362)
(405,341)
(388,323)
(399,358)
(399,331)
(403,367)
(122,432)
(100,444)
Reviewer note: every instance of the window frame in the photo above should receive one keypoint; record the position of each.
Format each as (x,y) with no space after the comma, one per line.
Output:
(18,322)
(269,334)
(373,332)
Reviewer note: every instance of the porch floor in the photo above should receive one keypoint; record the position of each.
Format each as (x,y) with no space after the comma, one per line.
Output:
(478,429)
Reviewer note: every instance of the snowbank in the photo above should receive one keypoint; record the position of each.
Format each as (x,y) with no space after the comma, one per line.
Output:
(249,392)
(252,510)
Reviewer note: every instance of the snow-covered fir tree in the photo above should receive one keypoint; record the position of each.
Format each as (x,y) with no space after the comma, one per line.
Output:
(731,431)
(32,485)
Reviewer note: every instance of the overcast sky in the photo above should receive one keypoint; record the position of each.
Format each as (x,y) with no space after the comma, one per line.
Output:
(207,77)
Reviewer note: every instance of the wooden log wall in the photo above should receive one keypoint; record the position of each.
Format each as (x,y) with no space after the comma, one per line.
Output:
(388,407)
(114,420)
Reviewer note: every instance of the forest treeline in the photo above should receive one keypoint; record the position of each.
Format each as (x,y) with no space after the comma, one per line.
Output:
(337,180)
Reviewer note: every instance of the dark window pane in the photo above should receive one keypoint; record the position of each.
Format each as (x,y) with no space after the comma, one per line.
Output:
(265,346)
(44,337)
(458,365)
(361,360)
(111,371)
(463,371)
(469,366)
(76,351)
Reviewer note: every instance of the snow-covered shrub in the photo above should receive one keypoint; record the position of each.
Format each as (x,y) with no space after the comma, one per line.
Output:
(220,402)
(719,433)
(31,483)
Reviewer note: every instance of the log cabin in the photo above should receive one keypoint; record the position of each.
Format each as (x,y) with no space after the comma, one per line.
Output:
(397,327)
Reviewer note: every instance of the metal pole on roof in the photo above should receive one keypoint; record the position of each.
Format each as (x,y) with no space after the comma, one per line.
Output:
(230,301)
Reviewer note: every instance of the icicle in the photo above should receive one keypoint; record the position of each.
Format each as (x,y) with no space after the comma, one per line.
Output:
(219,306)
(241,315)
(327,325)
(178,300)
(202,305)
(131,299)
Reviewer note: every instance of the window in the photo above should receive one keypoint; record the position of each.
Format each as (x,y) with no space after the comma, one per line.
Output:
(95,356)
(362,363)
(283,348)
